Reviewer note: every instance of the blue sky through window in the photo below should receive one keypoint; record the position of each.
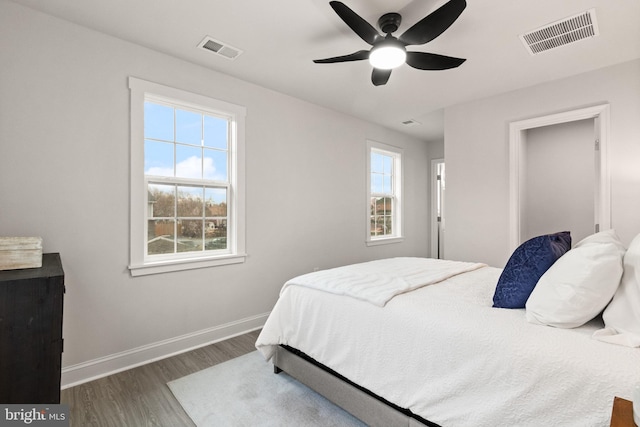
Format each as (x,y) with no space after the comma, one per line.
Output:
(185,144)
(381,173)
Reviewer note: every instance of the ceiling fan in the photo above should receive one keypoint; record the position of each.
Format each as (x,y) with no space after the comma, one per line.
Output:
(388,52)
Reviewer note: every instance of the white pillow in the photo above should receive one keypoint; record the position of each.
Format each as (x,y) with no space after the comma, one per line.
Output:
(580,284)
(622,316)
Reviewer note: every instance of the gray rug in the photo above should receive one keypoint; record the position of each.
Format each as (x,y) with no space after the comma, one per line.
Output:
(245,392)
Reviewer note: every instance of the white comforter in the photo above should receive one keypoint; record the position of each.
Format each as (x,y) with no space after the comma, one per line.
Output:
(380,280)
(444,353)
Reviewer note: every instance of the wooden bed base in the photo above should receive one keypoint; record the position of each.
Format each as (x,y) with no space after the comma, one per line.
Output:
(366,406)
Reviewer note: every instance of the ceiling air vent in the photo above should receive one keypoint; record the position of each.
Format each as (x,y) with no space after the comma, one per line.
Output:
(560,33)
(219,48)
(411,122)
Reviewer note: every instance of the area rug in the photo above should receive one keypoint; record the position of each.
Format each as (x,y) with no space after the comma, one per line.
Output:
(245,392)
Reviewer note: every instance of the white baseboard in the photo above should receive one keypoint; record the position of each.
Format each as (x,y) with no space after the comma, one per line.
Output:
(93,369)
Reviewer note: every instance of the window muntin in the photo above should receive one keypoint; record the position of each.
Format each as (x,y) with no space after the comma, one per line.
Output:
(187,180)
(384,185)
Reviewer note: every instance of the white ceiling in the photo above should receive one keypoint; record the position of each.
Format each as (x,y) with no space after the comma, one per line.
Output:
(280,40)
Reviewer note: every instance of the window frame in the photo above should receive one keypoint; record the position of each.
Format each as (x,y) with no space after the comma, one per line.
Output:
(397,212)
(140,263)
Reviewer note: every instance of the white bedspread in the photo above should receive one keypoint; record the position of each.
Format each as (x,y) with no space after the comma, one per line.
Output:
(379,281)
(444,353)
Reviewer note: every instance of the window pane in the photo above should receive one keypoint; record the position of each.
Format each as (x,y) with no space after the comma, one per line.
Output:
(373,210)
(215,132)
(215,202)
(190,202)
(160,239)
(376,183)
(386,187)
(188,127)
(376,162)
(158,158)
(215,165)
(387,224)
(388,164)
(161,201)
(188,162)
(215,234)
(379,226)
(189,235)
(158,121)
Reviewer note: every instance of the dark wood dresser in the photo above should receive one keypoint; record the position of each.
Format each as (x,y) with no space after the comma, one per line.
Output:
(31,302)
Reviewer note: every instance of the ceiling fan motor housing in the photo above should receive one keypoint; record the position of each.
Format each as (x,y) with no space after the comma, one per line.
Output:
(389,22)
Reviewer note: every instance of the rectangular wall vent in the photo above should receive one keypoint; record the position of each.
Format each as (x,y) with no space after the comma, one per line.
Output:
(219,48)
(560,33)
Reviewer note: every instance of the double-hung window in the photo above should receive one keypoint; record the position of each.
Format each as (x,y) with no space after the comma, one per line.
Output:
(187,189)
(384,193)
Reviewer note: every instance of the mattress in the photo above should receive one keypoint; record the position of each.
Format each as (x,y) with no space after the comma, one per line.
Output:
(442,352)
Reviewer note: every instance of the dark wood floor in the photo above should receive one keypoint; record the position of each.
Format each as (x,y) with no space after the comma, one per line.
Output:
(140,397)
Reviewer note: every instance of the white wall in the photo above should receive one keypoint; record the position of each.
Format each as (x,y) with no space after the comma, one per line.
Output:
(64,175)
(476,151)
(436,149)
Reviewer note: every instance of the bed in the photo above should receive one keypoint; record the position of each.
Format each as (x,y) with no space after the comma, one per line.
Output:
(435,351)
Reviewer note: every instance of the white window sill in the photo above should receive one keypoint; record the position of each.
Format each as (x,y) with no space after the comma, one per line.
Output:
(385,241)
(184,264)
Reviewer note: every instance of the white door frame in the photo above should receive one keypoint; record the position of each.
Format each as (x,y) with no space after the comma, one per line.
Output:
(517,141)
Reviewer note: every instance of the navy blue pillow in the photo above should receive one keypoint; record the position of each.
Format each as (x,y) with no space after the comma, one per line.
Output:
(525,267)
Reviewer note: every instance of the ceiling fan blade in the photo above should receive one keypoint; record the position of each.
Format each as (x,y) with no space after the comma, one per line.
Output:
(432,61)
(361,27)
(433,24)
(380,77)
(356,56)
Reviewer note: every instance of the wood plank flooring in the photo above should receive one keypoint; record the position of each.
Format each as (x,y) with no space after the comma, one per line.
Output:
(140,397)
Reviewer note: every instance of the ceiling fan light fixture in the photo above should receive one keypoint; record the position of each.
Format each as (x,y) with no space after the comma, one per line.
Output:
(390,52)
(387,56)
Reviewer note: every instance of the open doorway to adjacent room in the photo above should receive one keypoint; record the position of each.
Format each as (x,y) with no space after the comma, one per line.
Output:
(559,177)
(437,208)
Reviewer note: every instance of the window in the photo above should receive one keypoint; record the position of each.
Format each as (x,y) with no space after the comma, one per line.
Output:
(384,194)
(187,187)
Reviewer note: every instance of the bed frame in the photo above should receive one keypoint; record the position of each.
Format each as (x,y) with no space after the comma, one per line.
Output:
(361,403)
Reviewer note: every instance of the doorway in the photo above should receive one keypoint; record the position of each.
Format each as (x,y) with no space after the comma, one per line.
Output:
(560,180)
(437,208)
(583,179)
